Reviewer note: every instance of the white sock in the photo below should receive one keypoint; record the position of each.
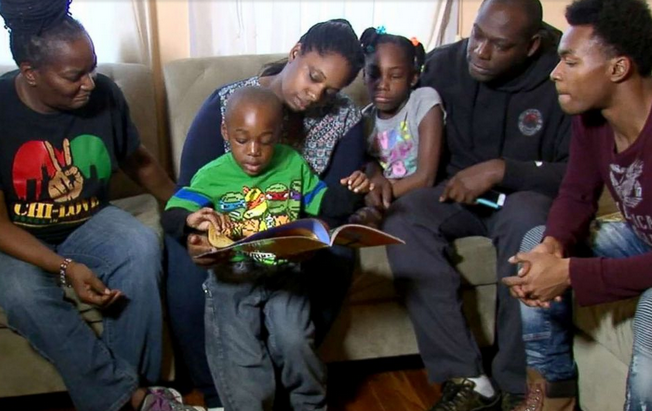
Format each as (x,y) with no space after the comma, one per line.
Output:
(216,409)
(483,386)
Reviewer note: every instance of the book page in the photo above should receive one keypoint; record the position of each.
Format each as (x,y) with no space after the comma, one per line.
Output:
(286,240)
(357,235)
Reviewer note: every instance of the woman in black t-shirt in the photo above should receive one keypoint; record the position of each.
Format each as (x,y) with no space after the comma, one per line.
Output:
(65,130)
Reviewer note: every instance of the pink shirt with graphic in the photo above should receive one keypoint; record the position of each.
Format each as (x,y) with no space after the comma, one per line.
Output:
(394,142)
(628,176)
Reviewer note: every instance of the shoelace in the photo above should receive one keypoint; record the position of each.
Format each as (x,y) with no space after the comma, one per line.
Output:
(453,395)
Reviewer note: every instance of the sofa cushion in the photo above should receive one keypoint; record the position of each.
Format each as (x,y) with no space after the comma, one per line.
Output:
(137,84)
(145,208)
(475,259)
(610,325)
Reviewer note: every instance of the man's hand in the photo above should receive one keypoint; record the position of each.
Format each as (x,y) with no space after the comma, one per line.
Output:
(549,245)
(89,288)
(546,277)
(467,185)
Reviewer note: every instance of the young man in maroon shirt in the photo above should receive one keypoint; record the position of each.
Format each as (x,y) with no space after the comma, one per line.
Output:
(604,78)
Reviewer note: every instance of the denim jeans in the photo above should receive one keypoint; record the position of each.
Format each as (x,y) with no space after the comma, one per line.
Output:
(258,329)
(101,373)
(548,333)
(330,271)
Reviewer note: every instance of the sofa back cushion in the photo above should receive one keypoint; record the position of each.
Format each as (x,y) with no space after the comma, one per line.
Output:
(136,82)
(189,82)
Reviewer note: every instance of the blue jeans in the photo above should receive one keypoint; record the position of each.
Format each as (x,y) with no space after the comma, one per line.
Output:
(101,373)
(548,333)
(258,329)
(186,303)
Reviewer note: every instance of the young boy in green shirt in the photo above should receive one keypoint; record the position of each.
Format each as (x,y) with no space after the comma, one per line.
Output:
(257,314)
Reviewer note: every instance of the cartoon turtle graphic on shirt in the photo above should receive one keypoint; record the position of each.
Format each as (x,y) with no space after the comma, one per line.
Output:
(277,196)
(232,204)
(294,202)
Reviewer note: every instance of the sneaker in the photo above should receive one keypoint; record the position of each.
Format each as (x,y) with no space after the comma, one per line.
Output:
(458,395)
(165,399)
(543,395)
(510,402)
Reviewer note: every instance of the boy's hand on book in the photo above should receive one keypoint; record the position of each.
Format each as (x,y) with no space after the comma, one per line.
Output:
(201,219)
(198,245)
(358,183)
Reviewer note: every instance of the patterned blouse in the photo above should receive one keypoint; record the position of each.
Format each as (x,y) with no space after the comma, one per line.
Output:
(324,125)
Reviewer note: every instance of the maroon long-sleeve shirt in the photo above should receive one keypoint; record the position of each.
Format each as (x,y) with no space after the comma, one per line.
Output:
(593,164)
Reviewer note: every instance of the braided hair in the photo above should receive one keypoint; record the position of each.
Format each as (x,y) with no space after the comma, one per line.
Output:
(35,26)
(327,37)
(413,50)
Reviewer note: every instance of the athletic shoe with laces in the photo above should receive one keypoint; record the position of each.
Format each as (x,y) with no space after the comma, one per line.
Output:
(458,395)
(165,399)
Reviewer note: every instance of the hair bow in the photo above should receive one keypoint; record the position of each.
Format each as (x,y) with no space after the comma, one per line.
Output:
(381,30)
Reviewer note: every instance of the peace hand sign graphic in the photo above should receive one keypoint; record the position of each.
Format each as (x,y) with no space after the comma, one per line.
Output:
(67,182)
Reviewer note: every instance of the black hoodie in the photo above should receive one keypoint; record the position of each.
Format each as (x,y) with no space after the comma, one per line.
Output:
(518,120)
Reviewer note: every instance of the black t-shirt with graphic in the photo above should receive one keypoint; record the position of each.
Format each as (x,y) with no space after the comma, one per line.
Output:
(55,168)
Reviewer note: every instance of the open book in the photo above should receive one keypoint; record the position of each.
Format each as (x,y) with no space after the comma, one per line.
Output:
(302,236)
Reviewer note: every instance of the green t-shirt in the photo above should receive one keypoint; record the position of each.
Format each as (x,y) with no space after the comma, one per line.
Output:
(255,203)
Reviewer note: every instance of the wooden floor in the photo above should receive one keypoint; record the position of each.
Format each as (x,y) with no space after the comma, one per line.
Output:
(398,384)
(370,387)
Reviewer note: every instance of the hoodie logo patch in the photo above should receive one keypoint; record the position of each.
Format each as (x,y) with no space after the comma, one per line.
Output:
(530,122)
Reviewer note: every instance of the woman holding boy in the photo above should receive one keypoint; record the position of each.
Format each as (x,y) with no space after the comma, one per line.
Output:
(324,126)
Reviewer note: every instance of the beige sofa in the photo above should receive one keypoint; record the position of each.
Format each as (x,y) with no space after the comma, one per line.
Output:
(372,323)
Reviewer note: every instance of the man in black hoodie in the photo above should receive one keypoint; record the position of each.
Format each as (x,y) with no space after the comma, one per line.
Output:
(506,133)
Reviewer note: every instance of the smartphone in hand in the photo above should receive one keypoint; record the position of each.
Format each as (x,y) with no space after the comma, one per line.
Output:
(492,199)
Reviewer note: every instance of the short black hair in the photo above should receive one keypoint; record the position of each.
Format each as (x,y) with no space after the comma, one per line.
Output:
(623,26)
(35,26)
(532,9)
(334,36)
(253,95)
(414,52)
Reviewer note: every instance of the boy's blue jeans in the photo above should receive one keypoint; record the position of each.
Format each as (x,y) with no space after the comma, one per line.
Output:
(548,333)
(258,329)
(101,373)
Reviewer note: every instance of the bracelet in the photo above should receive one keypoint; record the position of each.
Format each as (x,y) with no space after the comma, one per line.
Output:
(62,272)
